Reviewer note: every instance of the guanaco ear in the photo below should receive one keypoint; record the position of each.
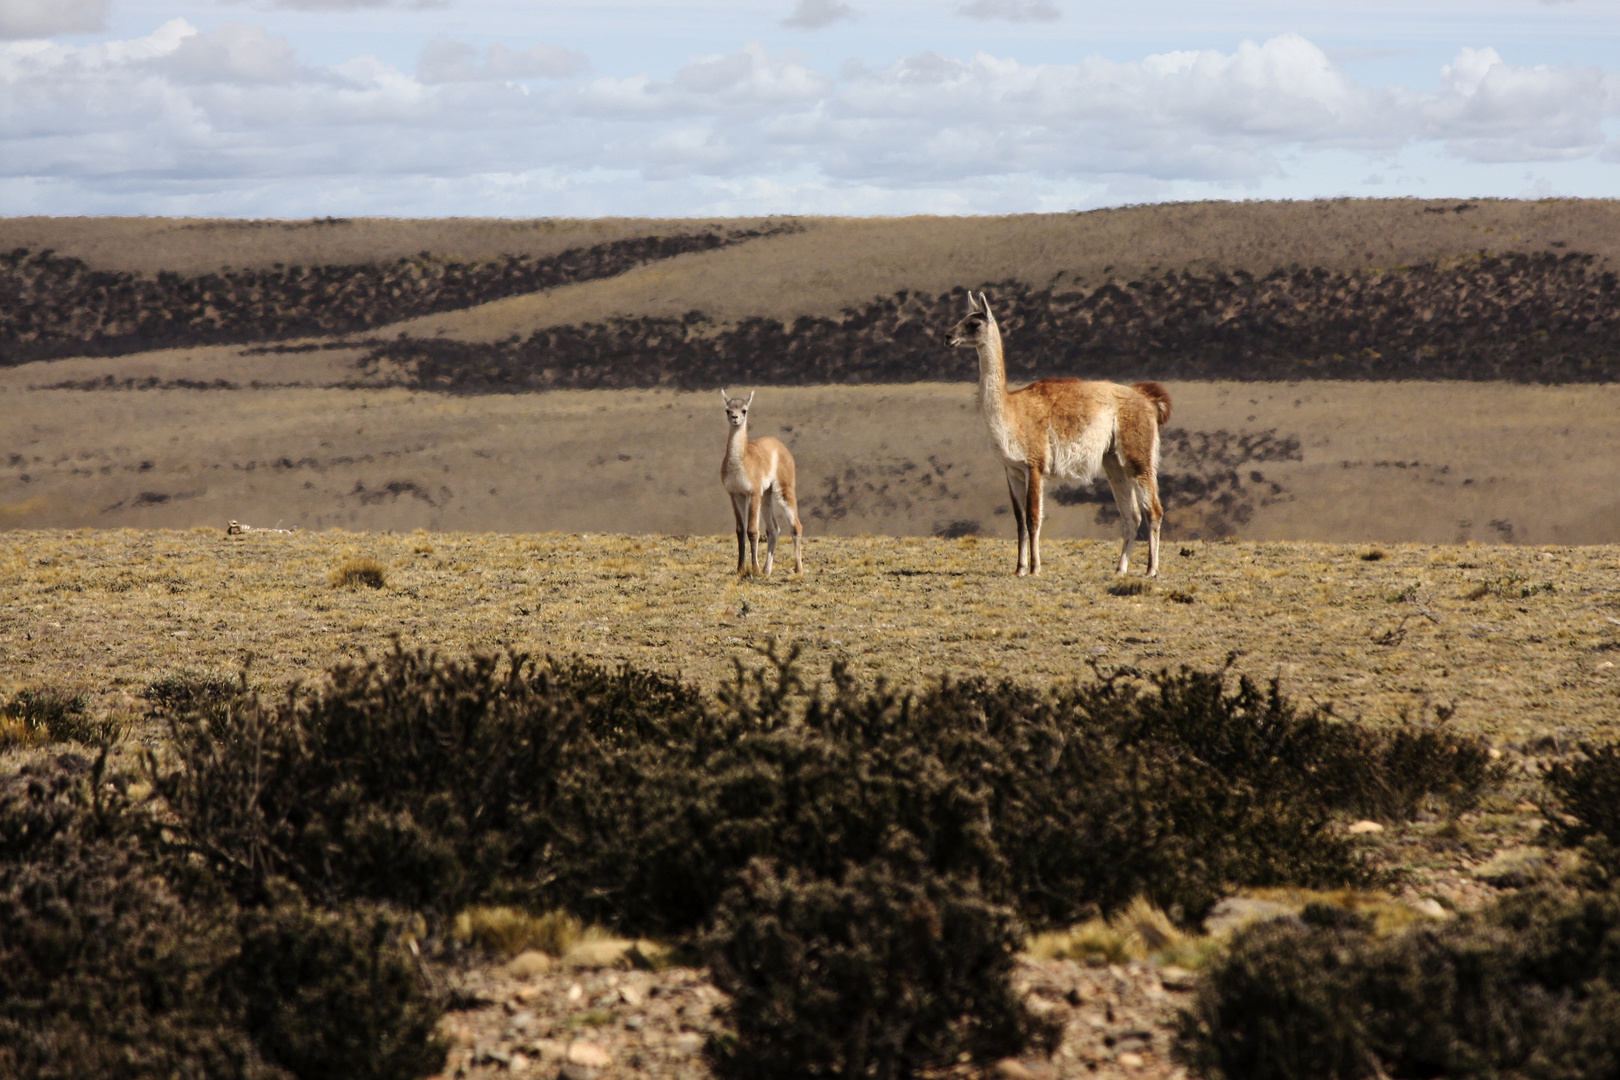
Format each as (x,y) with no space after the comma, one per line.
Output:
(973,303)
(725,397)
(750,400)
(984,302)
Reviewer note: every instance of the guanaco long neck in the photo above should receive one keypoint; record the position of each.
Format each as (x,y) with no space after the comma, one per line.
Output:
(736,448)
(993,384)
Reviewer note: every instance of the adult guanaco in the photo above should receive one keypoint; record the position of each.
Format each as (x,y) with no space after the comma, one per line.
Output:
(1068,428)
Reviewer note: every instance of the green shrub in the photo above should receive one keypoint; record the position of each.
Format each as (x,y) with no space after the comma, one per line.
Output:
(1524,988)
(115,961)
(887,971)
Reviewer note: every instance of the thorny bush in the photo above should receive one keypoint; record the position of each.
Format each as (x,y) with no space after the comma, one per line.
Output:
(117,960)
(885,970)
(1527,987)
(627,797)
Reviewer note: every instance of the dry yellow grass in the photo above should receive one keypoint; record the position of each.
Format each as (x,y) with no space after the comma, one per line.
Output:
(110,611)
(834,263)
(841,262)
(201,245)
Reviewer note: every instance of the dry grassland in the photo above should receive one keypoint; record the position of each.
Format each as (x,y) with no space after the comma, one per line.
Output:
(206,245)
(1523,640)
(1347,462)
(836,263)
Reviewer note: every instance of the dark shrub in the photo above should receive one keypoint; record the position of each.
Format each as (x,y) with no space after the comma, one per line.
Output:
(423,782)
(333,995)
(1278,1007)
(104,968)
(1525,987)
(623,796)
(888,970)
(115,961)
(1588,791)
(193,692)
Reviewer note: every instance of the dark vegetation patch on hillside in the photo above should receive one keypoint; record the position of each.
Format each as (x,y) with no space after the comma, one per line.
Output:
(52,305)
(1521,317)
(884,852)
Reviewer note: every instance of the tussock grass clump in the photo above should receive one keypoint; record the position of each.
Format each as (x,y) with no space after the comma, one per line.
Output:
(1138,931)
(357,572)
(1130,588)
(510,930)
(49,714)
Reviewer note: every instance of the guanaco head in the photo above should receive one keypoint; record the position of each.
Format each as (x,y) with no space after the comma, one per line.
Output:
(737,408)
(978,327)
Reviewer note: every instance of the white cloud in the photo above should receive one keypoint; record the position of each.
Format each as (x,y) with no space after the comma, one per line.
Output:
(351,5)
(816,14)
(235,53)
(443,60)
(1011,10)
(24,19)
(234,109)
(1489,110)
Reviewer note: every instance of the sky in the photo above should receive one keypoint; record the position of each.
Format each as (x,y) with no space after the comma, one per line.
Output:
(670,108)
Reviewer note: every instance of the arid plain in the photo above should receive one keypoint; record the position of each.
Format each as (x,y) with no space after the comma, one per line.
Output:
(593,520)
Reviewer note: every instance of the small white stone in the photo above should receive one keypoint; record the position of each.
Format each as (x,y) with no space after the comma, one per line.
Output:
(590,1055)
(1363,828)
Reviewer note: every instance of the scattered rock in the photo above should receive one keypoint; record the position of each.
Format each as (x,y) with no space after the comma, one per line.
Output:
(1431,907)
(1172,977)
(1514,868)
(1130,1059)
(600,953)
(1236,912)
(528,963)
(1364,828)
(589,1055)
